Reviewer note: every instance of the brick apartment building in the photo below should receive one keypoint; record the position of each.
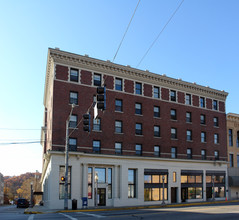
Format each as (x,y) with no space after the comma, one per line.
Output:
(233,154)
(159,140)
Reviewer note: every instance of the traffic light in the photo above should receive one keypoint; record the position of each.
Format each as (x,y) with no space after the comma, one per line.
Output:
(86,122)
(101,98)
(63,179)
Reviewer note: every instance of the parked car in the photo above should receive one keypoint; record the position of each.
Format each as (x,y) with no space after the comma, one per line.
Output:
(22,203)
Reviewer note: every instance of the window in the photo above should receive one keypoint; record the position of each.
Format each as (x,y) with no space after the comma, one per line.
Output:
(96,146)
(156,92)
(173,133)
(118,127)
(109,183)
(73,121)
(237,160)
(74,98)
(215,121)
(131,183)
(189,135)
(203,153)
(216,154)
(153,188)
(97,124)
(138,88)
(203,137)
(97,79)
(138,108)
(138,149)
(118,84)
(74,75)
(118,105)
(89,182)
(157,151)
(174,177)
(188,117)
(188,99)
(62,183)
(238,139)
(72,144)
(231,160)
(156,131)
(230,137)
(173,152)
(173,96)
(173,114)
(100,174)
(118,148)
(215,105)
(202,102)
(202,119)
(156,112)
(189,153)
(138,129)
(216,138)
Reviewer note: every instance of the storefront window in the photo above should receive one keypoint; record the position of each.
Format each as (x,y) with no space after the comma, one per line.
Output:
(155,194)
(147,179)
(89,182)
(100,173)
(191,179)
(184,179)
(155,178)
(199,179)
(208,179)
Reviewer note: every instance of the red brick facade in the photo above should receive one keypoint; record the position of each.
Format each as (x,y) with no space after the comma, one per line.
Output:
(107,136)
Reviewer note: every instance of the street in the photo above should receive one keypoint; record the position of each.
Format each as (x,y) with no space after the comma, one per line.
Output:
(216,211)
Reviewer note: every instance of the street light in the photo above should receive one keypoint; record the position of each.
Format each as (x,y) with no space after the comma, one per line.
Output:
(96,188)
(66,159)
(163,189)
(213,188)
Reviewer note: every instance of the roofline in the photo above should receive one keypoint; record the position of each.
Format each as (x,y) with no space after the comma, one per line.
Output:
(67,58)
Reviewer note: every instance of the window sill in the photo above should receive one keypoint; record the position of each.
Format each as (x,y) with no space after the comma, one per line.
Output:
(118,133)
(97,131)
(191,141)
(119,111)
(139,135)
(138,115)
(174,139)
(157,137)
(175,120)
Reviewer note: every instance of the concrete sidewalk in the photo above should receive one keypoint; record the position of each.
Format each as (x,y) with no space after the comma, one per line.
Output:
(41,209)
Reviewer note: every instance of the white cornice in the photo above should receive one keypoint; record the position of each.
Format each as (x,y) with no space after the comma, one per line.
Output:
(85,62)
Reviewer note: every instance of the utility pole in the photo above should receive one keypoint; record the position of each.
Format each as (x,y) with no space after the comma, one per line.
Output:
(66,159)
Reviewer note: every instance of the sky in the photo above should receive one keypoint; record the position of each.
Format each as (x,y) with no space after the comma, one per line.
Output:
(200,44)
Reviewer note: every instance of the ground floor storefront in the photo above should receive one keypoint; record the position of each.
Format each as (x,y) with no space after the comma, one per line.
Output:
(114,181)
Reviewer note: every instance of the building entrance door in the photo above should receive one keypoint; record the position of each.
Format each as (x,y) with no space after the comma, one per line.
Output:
(184,194)
(101,193)
(174,191)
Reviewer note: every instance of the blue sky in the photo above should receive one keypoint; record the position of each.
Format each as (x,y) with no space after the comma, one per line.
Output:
(200,44)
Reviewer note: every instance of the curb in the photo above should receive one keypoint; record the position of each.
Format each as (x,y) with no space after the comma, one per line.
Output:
(132,207)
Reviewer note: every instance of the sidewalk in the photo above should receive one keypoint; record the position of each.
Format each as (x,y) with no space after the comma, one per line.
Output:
(41,209)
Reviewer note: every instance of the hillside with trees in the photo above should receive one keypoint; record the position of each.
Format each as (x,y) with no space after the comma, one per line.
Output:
(20,186)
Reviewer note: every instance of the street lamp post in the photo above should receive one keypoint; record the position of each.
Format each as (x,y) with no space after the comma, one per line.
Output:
(213,188)
(163,189)
(96,189)
(66,159)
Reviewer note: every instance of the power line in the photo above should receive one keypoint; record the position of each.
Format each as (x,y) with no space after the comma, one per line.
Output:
(126,31)
(160,32)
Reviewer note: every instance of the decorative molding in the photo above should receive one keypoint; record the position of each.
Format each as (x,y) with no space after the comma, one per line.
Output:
(126,72)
